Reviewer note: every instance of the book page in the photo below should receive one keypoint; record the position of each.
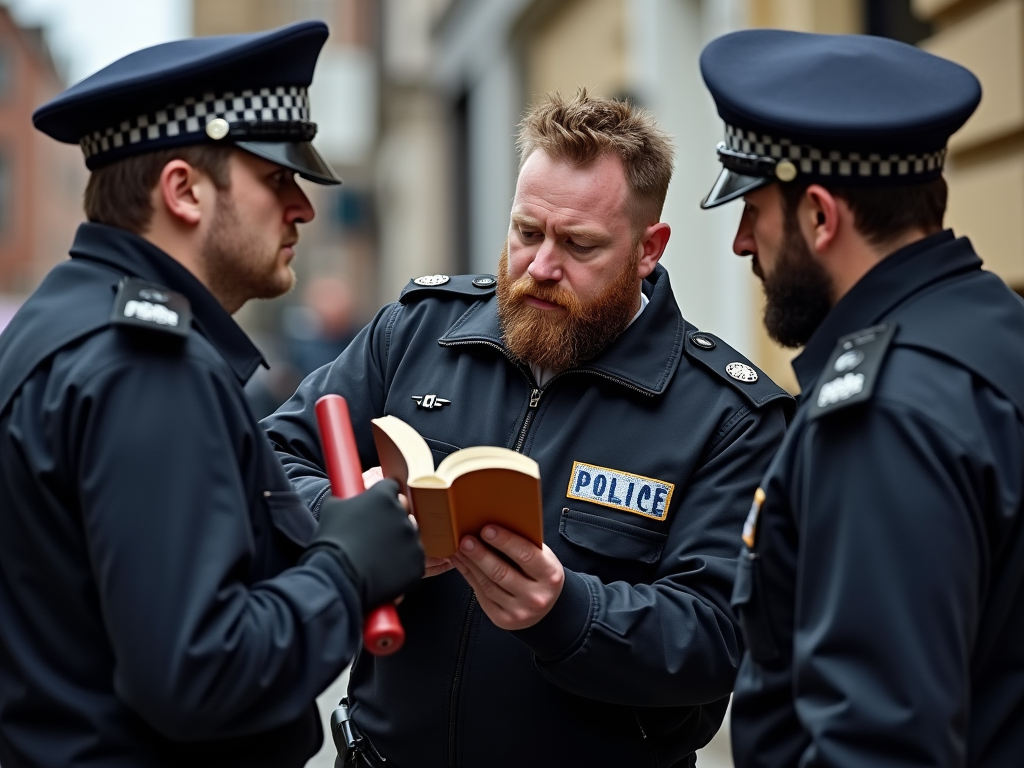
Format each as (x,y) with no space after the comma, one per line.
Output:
(403,454)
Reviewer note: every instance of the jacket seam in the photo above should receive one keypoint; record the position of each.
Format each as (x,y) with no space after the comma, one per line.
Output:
(728,427)
(319,500)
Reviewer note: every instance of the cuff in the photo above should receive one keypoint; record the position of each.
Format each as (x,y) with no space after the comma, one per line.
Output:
(563,629)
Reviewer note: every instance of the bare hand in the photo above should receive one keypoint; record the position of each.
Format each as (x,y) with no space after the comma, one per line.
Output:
(513,597)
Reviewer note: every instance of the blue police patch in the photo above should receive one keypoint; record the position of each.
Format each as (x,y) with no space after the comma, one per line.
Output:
(620,490)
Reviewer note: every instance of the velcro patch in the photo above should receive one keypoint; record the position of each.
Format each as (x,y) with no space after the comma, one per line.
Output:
(147,305)
(620,490)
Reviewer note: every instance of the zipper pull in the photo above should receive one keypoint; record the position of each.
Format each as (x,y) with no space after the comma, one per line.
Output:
(534,398)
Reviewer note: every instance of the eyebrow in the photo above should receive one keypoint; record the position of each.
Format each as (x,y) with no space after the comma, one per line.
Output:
(585,233)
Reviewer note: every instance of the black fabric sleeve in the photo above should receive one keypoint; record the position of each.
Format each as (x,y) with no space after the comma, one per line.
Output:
(200,654)
(357,375)
(888,589)
(673,642)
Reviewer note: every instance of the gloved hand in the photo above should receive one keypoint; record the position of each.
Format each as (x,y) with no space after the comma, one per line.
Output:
(375,541)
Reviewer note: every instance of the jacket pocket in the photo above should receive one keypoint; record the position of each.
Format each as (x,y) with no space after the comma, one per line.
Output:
(748,602)
(611,538)
(290,517)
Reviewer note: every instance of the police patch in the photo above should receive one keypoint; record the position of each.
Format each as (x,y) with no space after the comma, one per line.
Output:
(620,490)
(147,305)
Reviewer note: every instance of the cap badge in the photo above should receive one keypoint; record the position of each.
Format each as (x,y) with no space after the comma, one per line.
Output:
(217,128)
(702,341)
(484,282)
(430,402)
(432,280)
(741,372)
(785,171)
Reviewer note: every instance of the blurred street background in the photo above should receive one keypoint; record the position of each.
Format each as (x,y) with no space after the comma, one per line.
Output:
(417,103)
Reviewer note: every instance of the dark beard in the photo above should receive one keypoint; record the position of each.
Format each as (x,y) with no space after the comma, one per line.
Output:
(798,292)
(558,340)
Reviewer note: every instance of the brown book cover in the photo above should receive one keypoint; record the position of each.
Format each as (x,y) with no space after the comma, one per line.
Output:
(469,489)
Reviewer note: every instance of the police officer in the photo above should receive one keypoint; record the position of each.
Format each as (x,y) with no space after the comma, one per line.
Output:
(881,587)
(613,644)
(165,597)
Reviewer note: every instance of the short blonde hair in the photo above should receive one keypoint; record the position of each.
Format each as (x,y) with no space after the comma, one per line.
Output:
(583,128)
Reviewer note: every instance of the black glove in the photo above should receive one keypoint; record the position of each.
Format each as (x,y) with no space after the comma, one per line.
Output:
(376,543)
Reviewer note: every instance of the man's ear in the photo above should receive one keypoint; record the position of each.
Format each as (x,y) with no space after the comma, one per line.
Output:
(652,245)
(179,192)
(818,215)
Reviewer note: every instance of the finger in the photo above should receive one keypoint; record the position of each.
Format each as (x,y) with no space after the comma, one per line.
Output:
(492,566)
(493,609)
(529,558)
(484,584)
(437,570)
(435,566)
(405,505)
(372,476)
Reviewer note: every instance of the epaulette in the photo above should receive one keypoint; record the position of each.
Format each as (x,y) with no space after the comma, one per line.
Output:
(475,286)
(718,357)
(152,307)
(852,369)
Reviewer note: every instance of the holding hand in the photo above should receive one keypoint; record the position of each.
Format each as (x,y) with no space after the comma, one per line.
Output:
(513,596)
(372,536)
(433,566)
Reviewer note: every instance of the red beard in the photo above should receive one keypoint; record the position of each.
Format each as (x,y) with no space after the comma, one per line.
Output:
(557,339)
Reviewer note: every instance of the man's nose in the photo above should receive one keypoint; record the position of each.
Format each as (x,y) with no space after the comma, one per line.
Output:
(744,243)
(300,210)
(547,263)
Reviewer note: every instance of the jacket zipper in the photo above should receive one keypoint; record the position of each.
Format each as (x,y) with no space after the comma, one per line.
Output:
(453,702)
(531,410)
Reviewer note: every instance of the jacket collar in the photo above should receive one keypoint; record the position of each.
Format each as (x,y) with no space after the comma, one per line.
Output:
(643,358)
(134,256)
(887,285)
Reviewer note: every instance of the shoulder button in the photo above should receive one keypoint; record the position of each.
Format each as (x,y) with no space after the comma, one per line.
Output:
(484,282)
(701,341)
(432,280)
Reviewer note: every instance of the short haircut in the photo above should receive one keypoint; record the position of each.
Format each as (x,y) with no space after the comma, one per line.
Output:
(881,214)
(581,129)
(119,194)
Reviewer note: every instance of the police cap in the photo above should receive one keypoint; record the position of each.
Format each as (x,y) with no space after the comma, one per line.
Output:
(246,90)
(843,109)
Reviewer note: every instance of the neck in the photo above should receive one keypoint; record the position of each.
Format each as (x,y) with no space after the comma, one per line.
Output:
(858,256)
(184,246)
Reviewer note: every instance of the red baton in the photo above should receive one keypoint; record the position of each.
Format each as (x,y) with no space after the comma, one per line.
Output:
(382,631)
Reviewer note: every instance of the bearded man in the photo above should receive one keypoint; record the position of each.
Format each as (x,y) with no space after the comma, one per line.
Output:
(881,587)
(613,644)
(165,597)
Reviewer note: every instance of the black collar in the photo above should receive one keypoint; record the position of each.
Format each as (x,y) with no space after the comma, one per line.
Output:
(133,255)
(887,285)
(643,358)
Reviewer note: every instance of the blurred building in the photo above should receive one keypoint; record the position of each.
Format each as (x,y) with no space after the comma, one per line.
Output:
(341,241)
(41,181)
(456,76)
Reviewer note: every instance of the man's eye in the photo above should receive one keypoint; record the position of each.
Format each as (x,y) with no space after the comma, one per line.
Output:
(579,248)
(528,234)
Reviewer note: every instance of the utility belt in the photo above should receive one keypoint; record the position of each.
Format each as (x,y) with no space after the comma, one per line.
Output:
(354,749)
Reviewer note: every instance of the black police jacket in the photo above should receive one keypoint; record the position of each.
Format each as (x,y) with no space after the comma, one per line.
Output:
(648,456)
(150,613)
(882,591)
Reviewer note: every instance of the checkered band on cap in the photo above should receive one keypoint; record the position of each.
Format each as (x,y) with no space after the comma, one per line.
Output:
(281,104)
(812,160)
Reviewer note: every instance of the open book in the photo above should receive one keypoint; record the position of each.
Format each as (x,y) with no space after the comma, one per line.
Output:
(469,489)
